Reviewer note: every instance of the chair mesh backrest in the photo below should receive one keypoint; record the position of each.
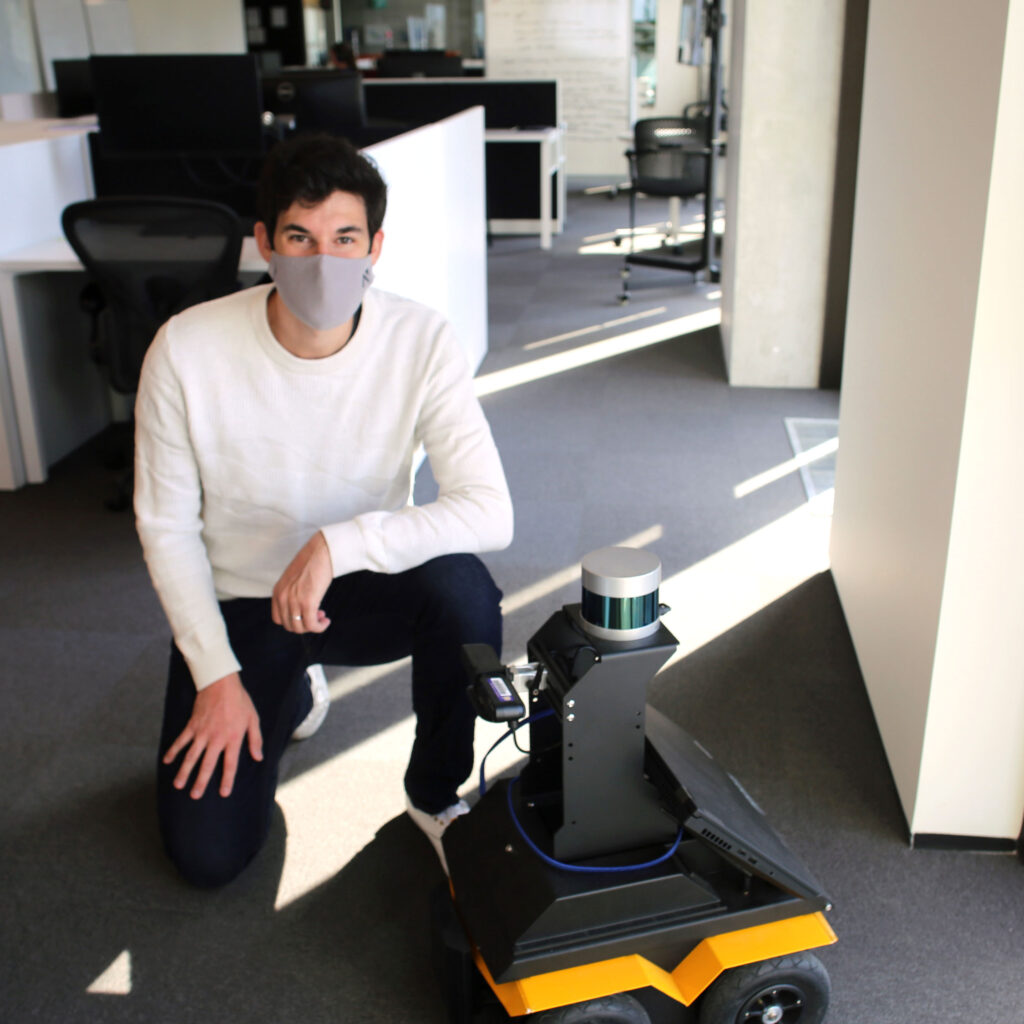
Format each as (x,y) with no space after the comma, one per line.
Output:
(670,158)
(150,258)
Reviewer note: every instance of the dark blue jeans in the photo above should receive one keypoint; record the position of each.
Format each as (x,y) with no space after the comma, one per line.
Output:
(428,612)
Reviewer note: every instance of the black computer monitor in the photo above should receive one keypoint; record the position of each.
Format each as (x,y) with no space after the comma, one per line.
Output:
(75,93)
(507,104)
(319,99)
(191,104)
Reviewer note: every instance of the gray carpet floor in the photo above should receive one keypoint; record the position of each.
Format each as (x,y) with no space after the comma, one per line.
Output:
(607,435)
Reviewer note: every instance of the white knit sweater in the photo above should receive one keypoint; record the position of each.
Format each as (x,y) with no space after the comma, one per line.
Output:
(244,451)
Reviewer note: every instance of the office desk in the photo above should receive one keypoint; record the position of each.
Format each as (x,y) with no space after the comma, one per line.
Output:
(59,400)
(550,144)
(44,165)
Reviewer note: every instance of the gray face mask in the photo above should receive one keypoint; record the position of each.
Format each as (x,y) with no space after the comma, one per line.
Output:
(322,291)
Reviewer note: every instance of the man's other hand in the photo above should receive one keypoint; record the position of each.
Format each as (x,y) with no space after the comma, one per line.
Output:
(301,588)
(222,718)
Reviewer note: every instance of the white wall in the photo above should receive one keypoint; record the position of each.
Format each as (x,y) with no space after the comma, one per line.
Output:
(926,541)
(155,26)
(188,26)
(975,725)
(19,70)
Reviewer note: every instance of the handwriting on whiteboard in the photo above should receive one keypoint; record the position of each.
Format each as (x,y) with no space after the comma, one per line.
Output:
(585,44)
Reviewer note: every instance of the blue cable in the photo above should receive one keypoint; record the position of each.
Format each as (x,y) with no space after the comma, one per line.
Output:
(561,865)
(583,868)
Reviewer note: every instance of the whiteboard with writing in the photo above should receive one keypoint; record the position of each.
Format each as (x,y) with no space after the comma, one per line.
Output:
(587,46)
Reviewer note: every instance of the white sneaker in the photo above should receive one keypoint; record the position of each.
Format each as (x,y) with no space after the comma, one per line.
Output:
(321,703)
(433,826)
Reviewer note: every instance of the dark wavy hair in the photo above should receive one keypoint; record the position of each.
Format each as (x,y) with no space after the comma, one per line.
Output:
(308,168)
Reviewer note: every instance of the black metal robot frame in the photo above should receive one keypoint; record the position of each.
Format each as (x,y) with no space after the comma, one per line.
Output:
(544,871)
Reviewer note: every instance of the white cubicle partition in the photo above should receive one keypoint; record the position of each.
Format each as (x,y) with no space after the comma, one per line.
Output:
(434,251)
(435,233)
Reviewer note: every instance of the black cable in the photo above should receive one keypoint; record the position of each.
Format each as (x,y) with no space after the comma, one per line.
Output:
(535,717)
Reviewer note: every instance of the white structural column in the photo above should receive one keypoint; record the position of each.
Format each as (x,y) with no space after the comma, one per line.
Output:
(927,544)
(784,91)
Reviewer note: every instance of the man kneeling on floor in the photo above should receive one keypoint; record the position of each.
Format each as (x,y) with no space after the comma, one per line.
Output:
(276,432)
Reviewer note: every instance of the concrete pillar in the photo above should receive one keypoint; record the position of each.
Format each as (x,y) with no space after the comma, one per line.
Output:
(784,100)
(927,545)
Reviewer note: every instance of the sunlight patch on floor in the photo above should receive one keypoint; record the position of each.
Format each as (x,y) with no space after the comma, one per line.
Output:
(594,328)
(783,469)
(655,227)
(563,577)
(646,237)
(585,355)
(116,980)
(334,810)
(726,588)
(348,680)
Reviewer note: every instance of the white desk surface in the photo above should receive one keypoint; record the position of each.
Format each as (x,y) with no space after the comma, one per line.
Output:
(15,132)
(521,134)
(56,254)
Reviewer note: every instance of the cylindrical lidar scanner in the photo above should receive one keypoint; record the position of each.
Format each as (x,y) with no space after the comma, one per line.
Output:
(620,593)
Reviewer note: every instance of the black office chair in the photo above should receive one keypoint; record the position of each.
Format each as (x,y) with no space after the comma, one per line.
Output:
(147,258)
(696,115)
(669,158)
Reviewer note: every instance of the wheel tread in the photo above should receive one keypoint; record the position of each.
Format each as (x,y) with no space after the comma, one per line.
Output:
(616,1009)
(734,989)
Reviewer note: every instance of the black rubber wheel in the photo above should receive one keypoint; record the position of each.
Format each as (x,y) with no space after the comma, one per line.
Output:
(787,990)
(617,1009)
